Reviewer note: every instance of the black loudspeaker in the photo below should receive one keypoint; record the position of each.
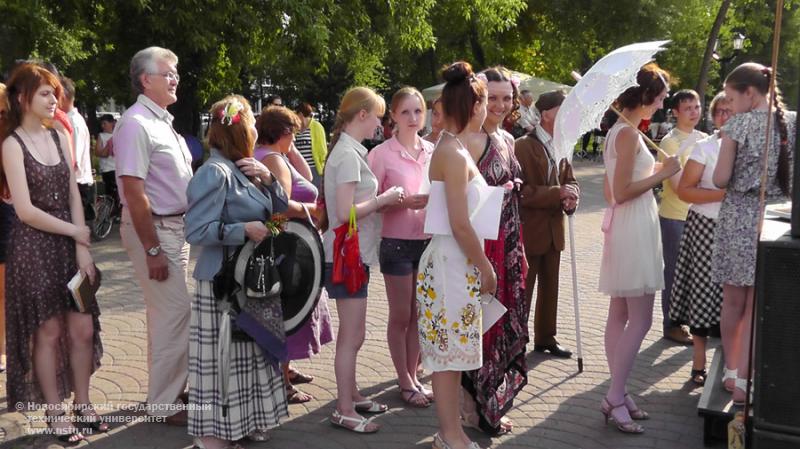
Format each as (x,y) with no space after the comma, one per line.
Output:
(777,335)
(764,439)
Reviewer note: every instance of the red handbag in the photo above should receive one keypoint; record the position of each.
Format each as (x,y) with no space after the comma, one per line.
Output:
(347,266)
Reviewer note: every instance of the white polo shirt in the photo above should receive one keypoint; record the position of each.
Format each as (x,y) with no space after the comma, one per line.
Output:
(347,162)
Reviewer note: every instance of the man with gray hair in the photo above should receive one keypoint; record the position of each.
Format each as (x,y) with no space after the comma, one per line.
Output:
(153,169)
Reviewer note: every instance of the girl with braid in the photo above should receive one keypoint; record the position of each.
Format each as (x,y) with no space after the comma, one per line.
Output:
(739,170)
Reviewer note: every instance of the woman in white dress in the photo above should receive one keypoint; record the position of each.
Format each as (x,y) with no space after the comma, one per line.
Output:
(454,270)
(631,271)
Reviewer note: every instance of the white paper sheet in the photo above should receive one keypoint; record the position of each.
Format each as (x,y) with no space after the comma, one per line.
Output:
(491,311)
(485,216)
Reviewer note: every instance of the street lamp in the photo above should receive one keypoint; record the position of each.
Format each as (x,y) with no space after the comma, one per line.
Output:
(738,41)
(737,44)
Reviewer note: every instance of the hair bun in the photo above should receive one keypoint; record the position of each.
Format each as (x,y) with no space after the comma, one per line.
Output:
(457,72)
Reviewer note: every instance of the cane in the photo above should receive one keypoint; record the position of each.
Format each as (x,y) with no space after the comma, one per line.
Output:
(575,295)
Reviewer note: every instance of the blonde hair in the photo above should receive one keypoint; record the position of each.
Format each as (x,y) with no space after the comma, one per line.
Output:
(406,92)
(232,136)
(354,101)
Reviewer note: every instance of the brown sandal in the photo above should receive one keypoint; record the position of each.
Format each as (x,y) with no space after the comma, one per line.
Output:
(297,378)
(414,398)
(295,396)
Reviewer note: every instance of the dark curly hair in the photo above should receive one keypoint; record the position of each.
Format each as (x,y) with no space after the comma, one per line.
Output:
(650,83)
(501,74)
(275,122)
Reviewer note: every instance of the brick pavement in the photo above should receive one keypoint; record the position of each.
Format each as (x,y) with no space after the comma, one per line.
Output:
(558,409)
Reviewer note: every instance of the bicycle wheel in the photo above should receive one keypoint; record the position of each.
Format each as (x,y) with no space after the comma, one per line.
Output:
(103,221)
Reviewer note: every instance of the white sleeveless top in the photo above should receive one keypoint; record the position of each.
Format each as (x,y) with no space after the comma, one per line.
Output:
(632,264)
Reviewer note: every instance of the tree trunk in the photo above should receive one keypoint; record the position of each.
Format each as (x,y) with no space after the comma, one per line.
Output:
(430,57)
(702,80)
(475,44)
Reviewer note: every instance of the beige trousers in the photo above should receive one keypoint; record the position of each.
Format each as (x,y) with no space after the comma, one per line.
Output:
(168,307)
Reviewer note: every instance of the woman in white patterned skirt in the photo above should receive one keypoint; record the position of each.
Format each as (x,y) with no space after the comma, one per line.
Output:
(454,270)
(230,198)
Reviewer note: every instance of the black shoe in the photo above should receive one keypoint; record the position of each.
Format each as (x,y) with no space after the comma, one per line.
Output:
(554,349)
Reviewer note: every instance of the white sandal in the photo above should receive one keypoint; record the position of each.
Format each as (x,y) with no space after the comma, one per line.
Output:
(741,384)
(337,419)
(440,443)
(369,406)
(728,374)
(258,435)
(198,444)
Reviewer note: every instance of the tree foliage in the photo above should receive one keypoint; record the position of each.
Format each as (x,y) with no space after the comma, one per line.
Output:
(313,50)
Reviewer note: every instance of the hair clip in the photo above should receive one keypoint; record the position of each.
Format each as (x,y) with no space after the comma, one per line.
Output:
(515,82)
(766,71)
(230,113)
(481,76)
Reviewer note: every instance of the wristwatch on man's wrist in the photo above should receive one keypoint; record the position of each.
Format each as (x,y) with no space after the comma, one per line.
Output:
(154,251)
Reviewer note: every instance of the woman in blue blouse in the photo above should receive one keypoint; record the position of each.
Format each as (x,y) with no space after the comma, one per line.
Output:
(230,198)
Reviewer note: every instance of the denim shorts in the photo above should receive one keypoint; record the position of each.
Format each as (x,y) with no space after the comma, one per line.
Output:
(400,257)
(339,291)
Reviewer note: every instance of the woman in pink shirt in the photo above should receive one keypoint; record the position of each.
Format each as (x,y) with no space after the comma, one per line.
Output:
(403,161)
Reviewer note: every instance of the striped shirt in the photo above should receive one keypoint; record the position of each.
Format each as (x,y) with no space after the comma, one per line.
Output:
(303,143)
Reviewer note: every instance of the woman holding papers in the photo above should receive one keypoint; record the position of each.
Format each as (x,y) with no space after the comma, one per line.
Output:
(403,161)
(52,348)
(631,268)
(454,270)
(494,385)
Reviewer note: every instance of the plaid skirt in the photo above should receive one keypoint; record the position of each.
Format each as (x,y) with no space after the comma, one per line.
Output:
(696,300)
(256,394)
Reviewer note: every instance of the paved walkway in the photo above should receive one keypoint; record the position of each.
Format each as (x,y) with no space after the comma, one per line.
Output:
(558,409)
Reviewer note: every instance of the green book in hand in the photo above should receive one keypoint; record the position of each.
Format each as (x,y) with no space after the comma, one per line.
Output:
(83,291)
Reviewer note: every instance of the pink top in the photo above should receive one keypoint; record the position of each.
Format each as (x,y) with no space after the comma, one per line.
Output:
(147,147)
(394,166)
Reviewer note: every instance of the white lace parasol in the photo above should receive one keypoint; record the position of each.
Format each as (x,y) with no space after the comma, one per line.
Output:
(591,97)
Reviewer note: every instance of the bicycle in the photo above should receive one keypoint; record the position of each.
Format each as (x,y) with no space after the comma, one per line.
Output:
(104,207)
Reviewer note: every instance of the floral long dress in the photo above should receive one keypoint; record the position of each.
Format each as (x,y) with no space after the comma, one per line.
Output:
(504,372)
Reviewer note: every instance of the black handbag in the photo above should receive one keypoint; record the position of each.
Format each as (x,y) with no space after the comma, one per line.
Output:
(261,277)
(261,284)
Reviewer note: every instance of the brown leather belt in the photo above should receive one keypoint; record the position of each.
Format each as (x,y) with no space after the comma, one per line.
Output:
(179,214)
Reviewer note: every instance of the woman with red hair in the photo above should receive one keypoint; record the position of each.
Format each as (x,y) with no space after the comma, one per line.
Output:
(53,349)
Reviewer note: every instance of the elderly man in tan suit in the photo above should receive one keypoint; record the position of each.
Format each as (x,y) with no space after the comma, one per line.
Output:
(549,191)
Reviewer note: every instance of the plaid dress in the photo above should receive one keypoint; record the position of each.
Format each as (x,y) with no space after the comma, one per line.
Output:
(256,395)
(696,300)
